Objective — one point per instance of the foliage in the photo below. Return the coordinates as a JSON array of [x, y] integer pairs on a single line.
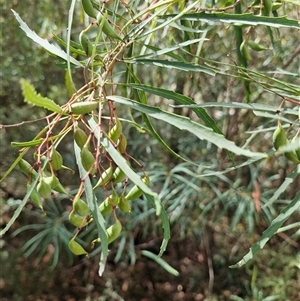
[[150, 69]]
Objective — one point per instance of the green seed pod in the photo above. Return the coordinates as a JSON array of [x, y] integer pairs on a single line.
[[80, 108], [122, 144], [105, 177], [36, 198], [86, 45], [52, 181], [88, 8], [116, 131], [56, 159], [276, 6], [244, 51], [268, 6], [81, 207], [47, 166], [107, 205], [59, 188], [80, 136], [135, 192], [123, 204], [87, 160], [292, 156], [76, 248], [112, 233], [107, 28], [279, 137], [78, 220], [26, 168], [44, 189], [118, 175], [255, 46]]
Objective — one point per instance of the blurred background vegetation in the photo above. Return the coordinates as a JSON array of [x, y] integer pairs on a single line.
[[214, 219]]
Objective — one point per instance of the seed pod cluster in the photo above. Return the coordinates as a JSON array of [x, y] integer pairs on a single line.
[[107, 178]]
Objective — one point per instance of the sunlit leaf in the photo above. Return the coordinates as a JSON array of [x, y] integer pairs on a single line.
[[44, 43], [32, 97]]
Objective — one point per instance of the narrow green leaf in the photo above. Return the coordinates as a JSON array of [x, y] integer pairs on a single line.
[[32, 97], [157, 51], [283, 187], [175, 65], [19, 209], [142, 99], [165, 224], [243, 19], [161, 262], [74, 47], [201, 113], [257, 108], [185, 123], [44, 43], [273, 228], [238, 105]]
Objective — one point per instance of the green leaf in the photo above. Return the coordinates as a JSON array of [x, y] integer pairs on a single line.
[[273, 228], [142, 99], [184, 123], [161, 262], [242, 19], [201, 113], [169, 50], [283, 187], [44, 43], [32, 97], [257, 108], [175, 65]]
